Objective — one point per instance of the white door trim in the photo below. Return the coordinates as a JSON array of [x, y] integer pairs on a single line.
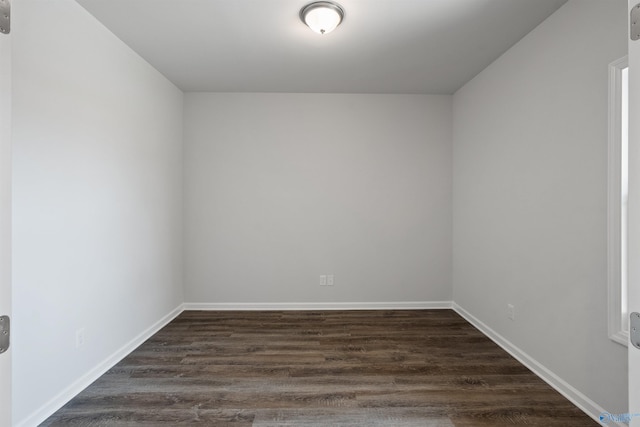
[[5, 219]]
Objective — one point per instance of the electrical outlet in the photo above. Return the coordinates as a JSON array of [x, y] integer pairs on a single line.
[[323, 280], [511, 312], [330, 280], [79, 337]]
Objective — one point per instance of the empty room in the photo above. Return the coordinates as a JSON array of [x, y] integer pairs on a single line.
[[297, 213]]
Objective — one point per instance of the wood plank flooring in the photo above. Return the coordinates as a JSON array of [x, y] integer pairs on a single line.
[[426, 368]]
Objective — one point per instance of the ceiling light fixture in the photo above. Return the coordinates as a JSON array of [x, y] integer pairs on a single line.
[[322, 16]]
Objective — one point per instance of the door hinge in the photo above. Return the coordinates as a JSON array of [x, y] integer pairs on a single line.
[[635, 22], [634, 329], [5, 333], [5, 16]]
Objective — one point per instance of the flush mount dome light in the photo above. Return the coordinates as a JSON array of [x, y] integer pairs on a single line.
[[322, 16]]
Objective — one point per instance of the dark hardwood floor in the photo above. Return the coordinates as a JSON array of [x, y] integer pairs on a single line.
[[331, 368]]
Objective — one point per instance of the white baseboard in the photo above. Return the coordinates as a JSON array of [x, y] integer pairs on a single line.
[[587, 405], [306, 306], [83, 382]]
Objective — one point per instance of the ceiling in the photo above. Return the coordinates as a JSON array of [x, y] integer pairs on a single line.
[[382, 46]]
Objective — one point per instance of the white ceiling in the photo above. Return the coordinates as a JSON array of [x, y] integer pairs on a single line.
[[382, 46]]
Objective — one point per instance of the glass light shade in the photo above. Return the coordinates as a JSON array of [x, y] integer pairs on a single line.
[[322, 17]]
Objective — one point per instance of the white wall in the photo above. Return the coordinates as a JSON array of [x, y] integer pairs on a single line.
[[97, 198], [530, 182], [281, 188]]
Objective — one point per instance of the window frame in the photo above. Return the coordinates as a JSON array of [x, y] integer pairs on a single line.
[[616, 325]]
